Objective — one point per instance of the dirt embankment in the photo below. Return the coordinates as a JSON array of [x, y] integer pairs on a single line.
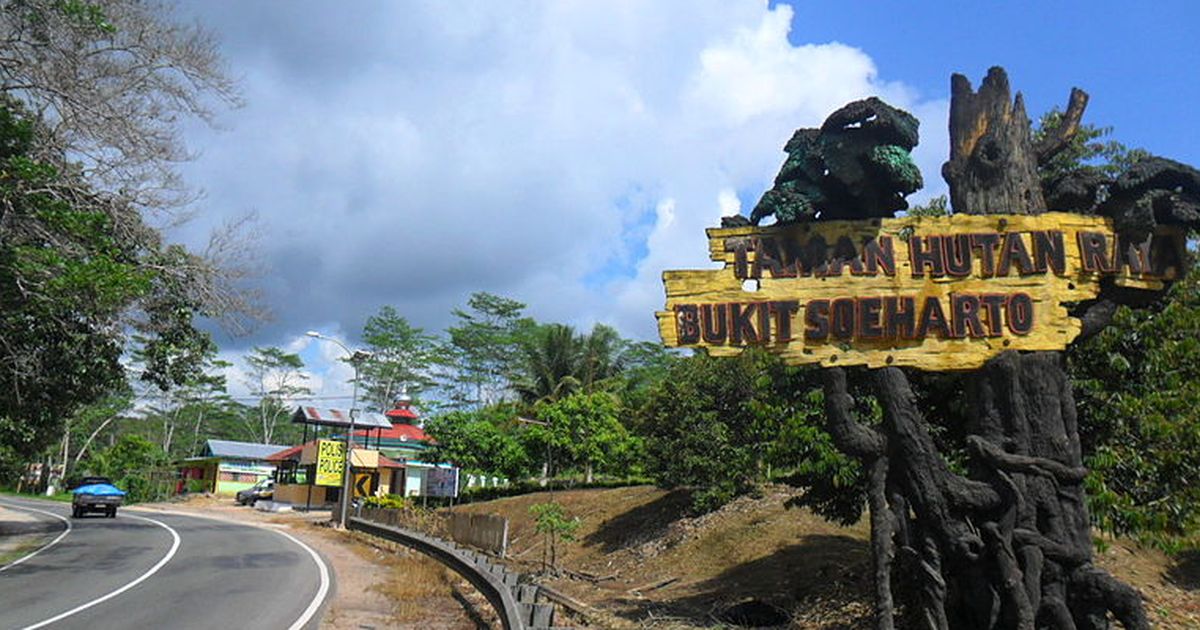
[[639, 558]]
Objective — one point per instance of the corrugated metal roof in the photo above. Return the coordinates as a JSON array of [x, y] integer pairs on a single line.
[[339, 418], [240, 450], [295, 451]]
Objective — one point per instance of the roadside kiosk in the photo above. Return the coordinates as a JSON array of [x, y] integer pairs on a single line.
[[310, 474]]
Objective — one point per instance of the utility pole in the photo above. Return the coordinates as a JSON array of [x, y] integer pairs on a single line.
[[356, 358]]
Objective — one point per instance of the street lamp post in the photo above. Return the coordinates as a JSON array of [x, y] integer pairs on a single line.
[[520, 420], [356, 359]]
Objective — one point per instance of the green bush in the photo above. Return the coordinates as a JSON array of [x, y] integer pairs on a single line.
[[388, 501]]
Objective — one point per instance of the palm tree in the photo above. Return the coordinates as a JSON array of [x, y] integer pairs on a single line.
[[549, 364], [556, 361], [602, 355]]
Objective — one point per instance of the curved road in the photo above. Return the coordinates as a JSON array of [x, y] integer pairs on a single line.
[[147, 569]]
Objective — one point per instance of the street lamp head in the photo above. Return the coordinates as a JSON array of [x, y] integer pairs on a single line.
[[314, 334]]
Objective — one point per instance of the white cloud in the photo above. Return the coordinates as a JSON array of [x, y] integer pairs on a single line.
[[757, 72], [728, 203], [563, 154]]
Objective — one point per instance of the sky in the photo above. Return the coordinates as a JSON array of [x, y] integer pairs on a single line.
[[565, 153]]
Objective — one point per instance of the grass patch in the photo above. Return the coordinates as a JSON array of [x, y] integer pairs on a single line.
[[62, 497], [419, 588], [21, 547]]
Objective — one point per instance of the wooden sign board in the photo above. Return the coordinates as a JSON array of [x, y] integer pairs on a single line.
[[935, 293]]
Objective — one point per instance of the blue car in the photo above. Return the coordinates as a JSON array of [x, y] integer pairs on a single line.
[[96, 494]]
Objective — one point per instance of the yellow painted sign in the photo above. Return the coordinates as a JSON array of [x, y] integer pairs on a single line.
[[936, 293], [362, 485], [331, 458]]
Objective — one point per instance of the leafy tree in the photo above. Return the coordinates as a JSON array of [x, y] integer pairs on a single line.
[[552, 522], [482, 441], [91, 96], [486, 344], [646, 364], [602, 355], [586, 431], [402, 357], [131, 463], [87, 424], [182, 401], [693, 426], [557, 361], [204, 397], [721, 425], [1137, 384], [68, 276], [936, 207], [802, 451], [1088, 149], [275, 377]]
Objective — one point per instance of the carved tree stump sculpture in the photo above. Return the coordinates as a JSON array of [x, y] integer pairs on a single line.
[[1009, 545]]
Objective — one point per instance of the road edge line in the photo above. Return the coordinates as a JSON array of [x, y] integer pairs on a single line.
[[322, 592], [145, 576], [43, 547], [323, 570]]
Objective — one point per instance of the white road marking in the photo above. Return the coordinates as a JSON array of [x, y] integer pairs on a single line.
[[44, 547], [322, 569], [319, 598], [145, 576]]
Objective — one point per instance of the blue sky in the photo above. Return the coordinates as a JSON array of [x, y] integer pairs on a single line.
[[1137, 61], [565, 153]]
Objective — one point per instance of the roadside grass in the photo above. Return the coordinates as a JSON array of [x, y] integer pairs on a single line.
[[413, 581], [21, 546], [417, 586], [64, 497]]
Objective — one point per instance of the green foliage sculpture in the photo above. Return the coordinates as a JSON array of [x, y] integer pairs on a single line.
[[857, 164]]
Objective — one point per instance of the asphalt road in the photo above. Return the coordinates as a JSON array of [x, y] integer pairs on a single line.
[[147, 569]]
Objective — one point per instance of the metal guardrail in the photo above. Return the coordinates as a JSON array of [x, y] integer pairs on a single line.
[[493, 581]]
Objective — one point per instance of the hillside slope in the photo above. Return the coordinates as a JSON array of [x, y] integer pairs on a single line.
[[639, 557]]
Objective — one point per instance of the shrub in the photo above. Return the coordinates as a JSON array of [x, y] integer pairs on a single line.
[[388, 501]]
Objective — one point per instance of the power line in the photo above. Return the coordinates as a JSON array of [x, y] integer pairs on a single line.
[[218, 398]]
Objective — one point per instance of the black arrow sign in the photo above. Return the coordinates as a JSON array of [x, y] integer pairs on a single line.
[[362, 485]]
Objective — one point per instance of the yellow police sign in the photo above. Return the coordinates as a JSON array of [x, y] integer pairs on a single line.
[[331, 459]]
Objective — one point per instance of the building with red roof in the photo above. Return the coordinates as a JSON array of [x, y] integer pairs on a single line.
[[389, 457]]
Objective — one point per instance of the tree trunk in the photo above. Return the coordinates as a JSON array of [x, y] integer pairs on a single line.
[[83, 449], [66, 449], [993, 165], [1035, 566], [196, 429]]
